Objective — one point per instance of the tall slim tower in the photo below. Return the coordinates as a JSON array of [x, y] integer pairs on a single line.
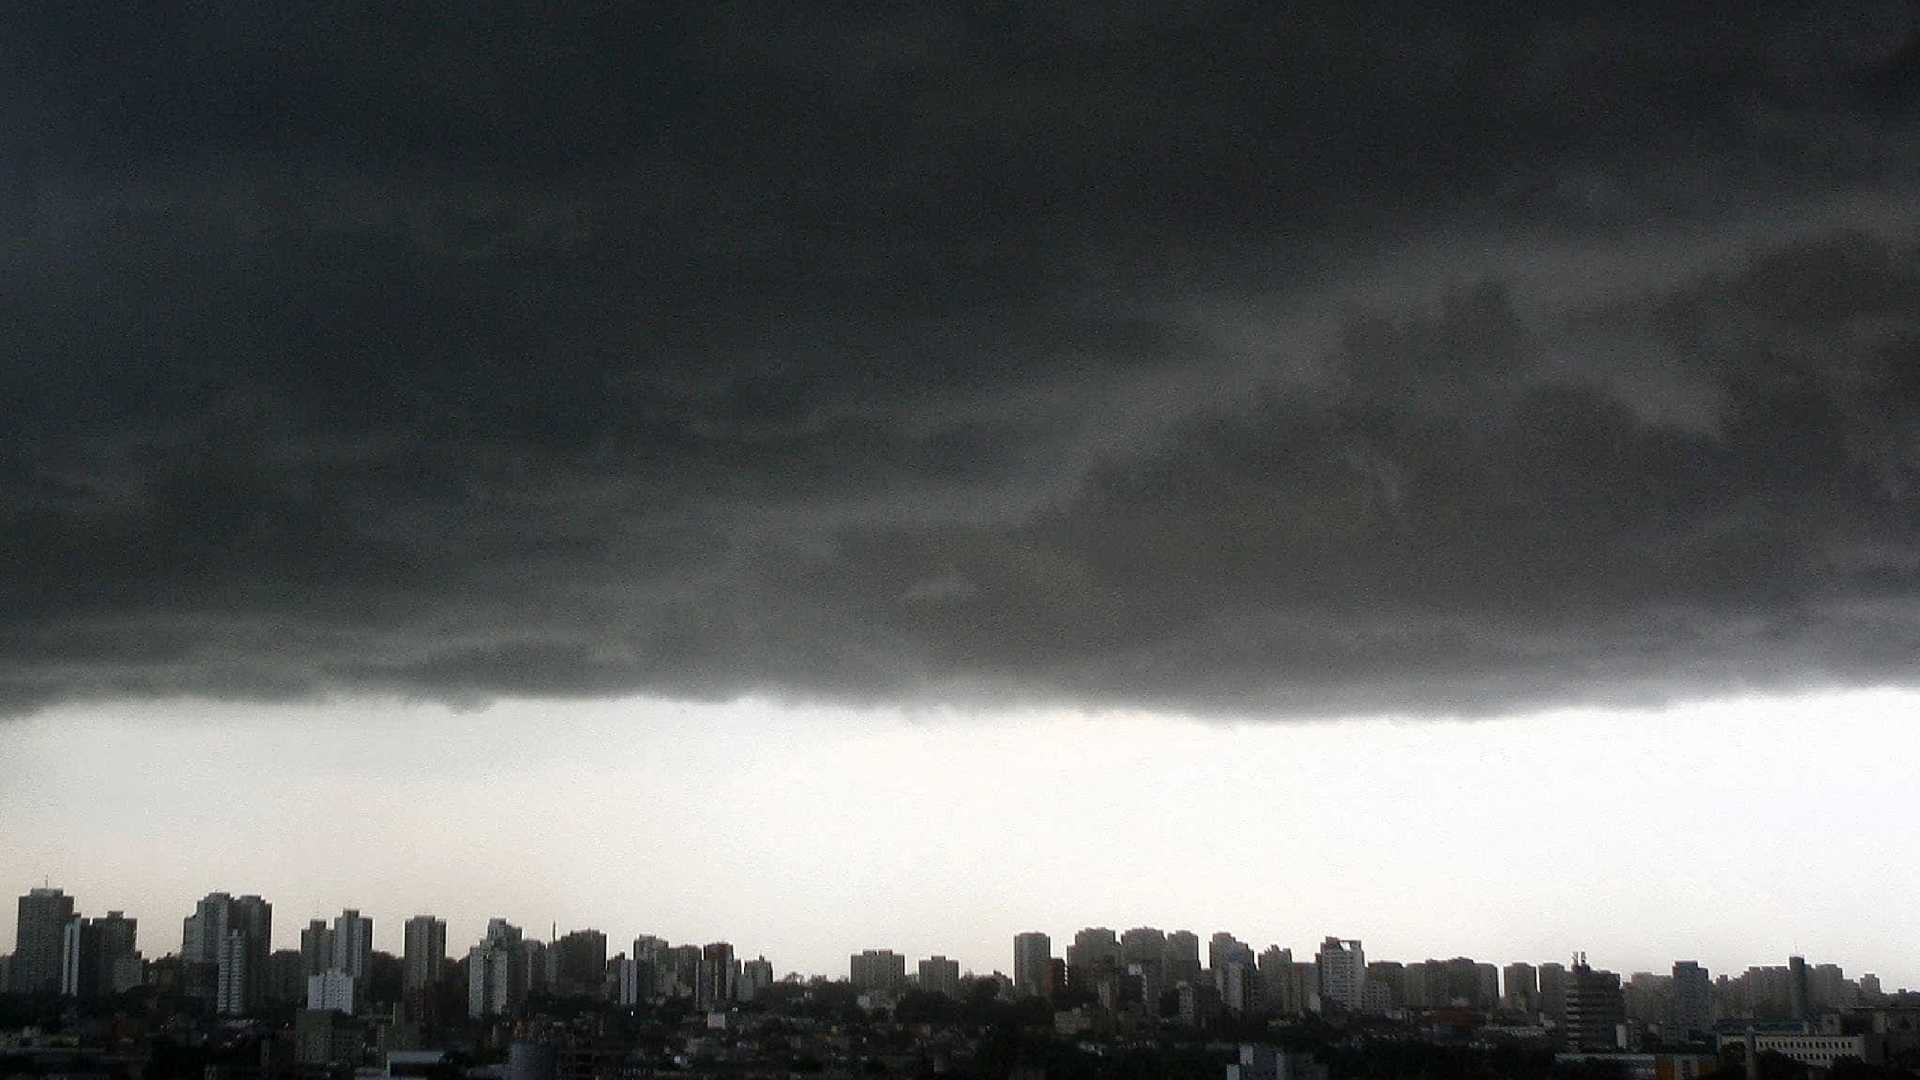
[[316, 948], [425, 953], [241, 957], [496, 983], [353, 944]]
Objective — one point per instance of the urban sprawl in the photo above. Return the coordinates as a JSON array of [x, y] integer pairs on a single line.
[[82, 1003]]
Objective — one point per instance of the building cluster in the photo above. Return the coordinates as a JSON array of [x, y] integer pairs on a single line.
[[1149, 968], [343, 995], [506, 968]]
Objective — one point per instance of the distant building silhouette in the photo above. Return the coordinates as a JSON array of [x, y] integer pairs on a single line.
[[1183, 957], [939, 975], [1553, 992], [879, 969], [1143, 956], [1797, 1004], [756, 978], [423, 954], [98, 957], [1692, 1002], [1031, 953], [1223, 952], [352, 944], [316, 947], [1279, 992], [224, 948], [577, 964], [1595, 1008], [286, 977], [717, 983], [1521, 990], [496, 976], [1094, 954]]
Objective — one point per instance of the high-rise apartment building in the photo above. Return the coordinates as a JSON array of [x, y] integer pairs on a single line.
[[423, 955], [1143, 944], [636, 981], [1553, 992], [1223, 949], [38, 940], [1095, 953], [1692, 1001], [95, 954], [684, 961], [651, 976], [496, 981], [316, 947], [756, 978], [1182, 957], [577, 964], [286, 977], [1486, 987], [1238, 984], [1387, 982], [939, 975], [718, 980], [1413, 987], [331, 990], [79, 959], [1828, 989], [1798, 992], [1343, 972], [236, 975], [1276, 980], [880, 970], [535, 967], [224, 948], [1032, 951], [353, 944], [1522, 987], [1595, 1008]]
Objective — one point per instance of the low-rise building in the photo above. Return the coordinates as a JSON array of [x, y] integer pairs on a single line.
[[1272, 1063], [1815, 1049]]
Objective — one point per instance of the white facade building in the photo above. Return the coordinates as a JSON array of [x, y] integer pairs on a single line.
[[496, 972], [353, 943], [330, 990], [1818, 1051], [1343, 972]]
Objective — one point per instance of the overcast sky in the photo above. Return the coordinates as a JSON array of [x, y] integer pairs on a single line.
[[1116, 385]]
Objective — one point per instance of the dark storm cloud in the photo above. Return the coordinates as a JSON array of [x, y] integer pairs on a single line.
[[474, 350]]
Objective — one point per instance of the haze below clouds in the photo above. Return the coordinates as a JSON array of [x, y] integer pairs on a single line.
[[1734, 834]]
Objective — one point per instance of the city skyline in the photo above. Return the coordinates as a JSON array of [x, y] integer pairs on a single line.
[[811, 479], [1709, 899], [579, 963]]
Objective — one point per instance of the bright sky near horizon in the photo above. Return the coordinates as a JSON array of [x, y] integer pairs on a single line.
[[1734, 832]]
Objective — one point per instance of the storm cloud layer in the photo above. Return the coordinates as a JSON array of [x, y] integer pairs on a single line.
[[1293, 359]]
